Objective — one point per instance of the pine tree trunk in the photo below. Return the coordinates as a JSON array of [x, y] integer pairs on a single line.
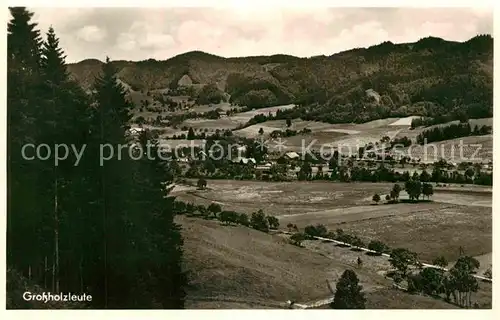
[[103, 208], [81, 274], [53, 274], [56, 232], [45, 273]]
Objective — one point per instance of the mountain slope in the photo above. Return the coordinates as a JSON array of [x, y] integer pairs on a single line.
[[430, 77]]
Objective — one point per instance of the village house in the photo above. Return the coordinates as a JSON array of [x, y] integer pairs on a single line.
[[243, 160], [292, 155], [135, 130]]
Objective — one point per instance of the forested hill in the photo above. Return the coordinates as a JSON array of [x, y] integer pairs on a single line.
[[429, 77]]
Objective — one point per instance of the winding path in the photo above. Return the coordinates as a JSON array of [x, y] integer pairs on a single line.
[[322, 302]]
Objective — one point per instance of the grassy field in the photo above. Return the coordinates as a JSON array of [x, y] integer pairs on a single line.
[[431, 229], [347, 138], [237, 267], [233, 121], [269, 126], [475, 149]]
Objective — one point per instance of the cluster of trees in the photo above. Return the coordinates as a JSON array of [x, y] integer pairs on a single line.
[[256, 92], [210, 94], [319, 230], [458, 282], [288, 133], [452, 131], [414, 188], [168, 103], [257, 220], [224, 169], [404, 141], [382, 173], [427, 121], [192, 135], [104, 229], [281, 114]]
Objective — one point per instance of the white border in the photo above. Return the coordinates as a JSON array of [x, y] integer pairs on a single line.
[[231, 314]]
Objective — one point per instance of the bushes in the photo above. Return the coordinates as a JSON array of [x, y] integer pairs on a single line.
[[316, 231], [210, 94], [244, 220], [259, 222], [378, 246], [297, 238], [357, 242], [273, 222], [229, 217]]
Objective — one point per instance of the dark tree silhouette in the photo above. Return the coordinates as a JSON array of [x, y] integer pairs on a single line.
[[349, 293]]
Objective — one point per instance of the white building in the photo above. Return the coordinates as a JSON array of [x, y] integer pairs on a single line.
[[292, 155], [243, 160], [136, 130]]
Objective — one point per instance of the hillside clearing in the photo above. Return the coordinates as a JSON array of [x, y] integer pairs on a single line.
[[234, 263], [430, 228]]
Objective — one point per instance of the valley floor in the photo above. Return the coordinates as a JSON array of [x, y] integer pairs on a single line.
[[238, 267]]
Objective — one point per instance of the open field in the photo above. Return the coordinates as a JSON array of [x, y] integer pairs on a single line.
[[269, 126], [231, 263], [430, 228], [230, 122], [237, 267], [269, 110], [475, 149], [221, 124], [282, 198], [404, 121], [412, 134], [233, 121]]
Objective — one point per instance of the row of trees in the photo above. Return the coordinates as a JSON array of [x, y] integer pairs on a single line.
[[192, 135], [287, 133], [106, 230], [257, 220], [224, 169], [458, 282], [452, 131], [384, 174]]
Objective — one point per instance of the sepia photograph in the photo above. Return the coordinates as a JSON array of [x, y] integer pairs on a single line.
[[249, 157]]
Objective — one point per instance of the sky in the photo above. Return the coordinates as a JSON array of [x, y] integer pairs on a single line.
[[161, 33]]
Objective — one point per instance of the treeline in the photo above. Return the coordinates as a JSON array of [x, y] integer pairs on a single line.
[[287, 133], [192, 135], [104, 229], [257, 220], [452, 131], [384, 174], [225, 169], [281, 114]]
